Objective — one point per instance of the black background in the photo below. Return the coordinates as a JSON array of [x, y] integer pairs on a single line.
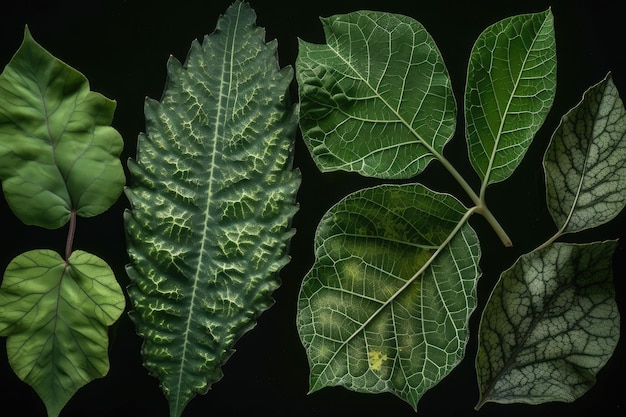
[[122, 47]]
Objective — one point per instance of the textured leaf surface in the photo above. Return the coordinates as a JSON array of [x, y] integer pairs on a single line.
[[58, 153], [585, 164], [55, 315], [511, 82], [385, 308], [376, 99], [550, 324], [212, 198]]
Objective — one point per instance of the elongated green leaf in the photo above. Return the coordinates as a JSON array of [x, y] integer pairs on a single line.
[[212, 198], [377, 98], [550, 324], [55, 314], [385, 308], [511, 82], [58, 153], [585, 164]]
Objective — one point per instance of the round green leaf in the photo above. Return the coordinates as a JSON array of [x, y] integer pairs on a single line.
[[511, 82], [57, 151], [386, 306], [377, 98]]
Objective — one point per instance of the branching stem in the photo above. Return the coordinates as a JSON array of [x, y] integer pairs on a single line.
[[481, 205]]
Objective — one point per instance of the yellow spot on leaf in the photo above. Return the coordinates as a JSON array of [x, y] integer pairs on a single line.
[[376, 359]]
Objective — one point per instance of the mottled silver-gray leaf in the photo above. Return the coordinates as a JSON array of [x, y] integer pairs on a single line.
[[511, 82], [549, 326], [585, 164], [377, 98]]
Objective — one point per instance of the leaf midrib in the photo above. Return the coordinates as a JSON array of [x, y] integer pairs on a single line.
[[227, 66], [521, 345], [496, 149], [583, 172], [391, 108], [400, 290]]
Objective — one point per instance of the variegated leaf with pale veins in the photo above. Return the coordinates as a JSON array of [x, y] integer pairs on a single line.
[[212, 197], [385, 307]]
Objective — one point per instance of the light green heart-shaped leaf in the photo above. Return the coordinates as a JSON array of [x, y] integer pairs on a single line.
[[377, 98], [55, 314], [511, 82], [58, 153], [213, 194], [385, 307], [585, 164], [549, 326]]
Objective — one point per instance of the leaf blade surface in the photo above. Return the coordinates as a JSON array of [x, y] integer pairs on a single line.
[[549, 326], [386, 305], [511, 82], [585, 163], [55, 315], [377, 98], [58, 152], [212, 202]]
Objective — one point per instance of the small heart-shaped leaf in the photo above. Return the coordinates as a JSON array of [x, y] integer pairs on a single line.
[[55, 314]]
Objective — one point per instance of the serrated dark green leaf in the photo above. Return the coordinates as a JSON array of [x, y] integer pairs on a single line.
[[386, 306], [511, 82], [58, 152], [585, 164], [377, 98], [549, 326], [212, 197], [55, 314]]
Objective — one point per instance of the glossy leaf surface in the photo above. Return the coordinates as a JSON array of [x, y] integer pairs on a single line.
[[385, 307], [550, 324], [511, 82], [58, 152], [585, 164], [55, 315], [212, 196], [377, 98]]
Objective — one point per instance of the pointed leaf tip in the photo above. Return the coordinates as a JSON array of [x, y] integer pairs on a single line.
[[511, 84]]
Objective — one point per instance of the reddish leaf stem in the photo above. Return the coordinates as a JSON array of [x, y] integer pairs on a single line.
[[70, 236]]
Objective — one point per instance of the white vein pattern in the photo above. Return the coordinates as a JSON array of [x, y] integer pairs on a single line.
[[212, 201], [380, 86], [585, 163], [386, 306], [510, 89]]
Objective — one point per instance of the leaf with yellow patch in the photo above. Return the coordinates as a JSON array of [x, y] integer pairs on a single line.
[[385, 308]]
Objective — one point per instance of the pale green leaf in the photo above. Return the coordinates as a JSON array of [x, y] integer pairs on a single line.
[[549, 326], [213, 194], [55, 315], [377, 98], [58, 153], [585, 164], [511, 82], [385, 307]]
